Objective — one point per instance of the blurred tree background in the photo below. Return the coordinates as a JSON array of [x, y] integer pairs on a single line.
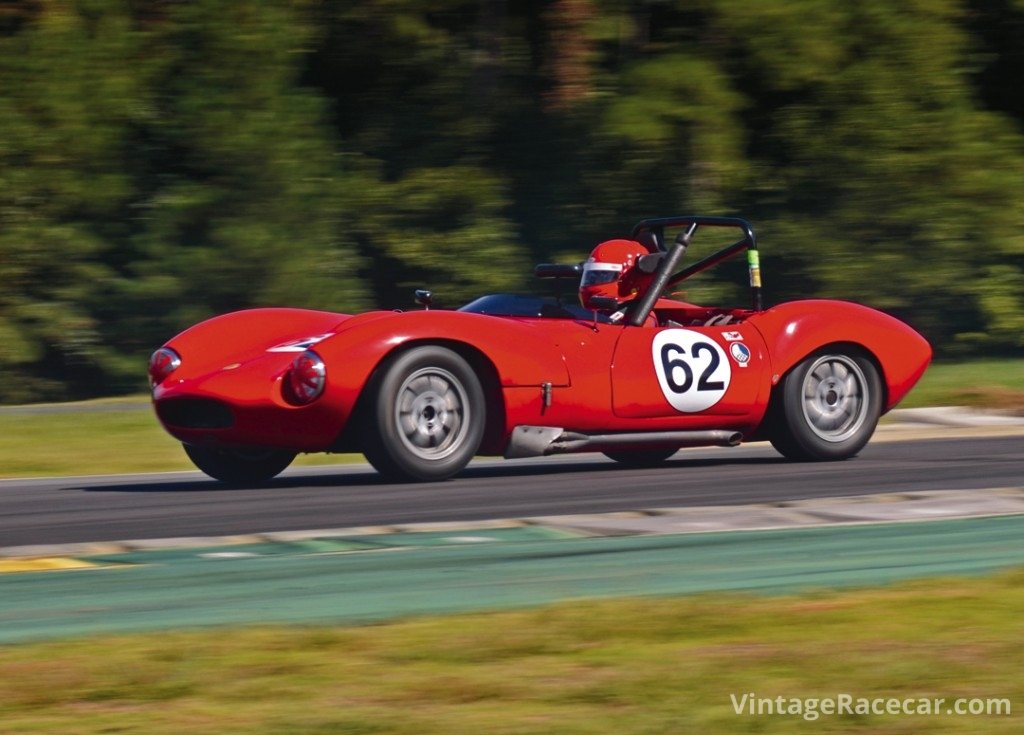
[[162, 160]]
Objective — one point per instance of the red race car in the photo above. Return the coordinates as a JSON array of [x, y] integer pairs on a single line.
[[626, 372]]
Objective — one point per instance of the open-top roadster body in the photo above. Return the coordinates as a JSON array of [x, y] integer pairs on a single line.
[[420, 393]]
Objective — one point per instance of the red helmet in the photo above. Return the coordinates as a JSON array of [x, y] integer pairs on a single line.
[[611, 271]]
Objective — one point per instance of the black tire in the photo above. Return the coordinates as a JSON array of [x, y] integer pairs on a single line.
[[827, 407], [240, 466], [425, 415], [641, 457]]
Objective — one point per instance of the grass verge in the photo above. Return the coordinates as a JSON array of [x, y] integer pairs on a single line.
[[98, 442], [997, 384], [665, 665], [129, 439]]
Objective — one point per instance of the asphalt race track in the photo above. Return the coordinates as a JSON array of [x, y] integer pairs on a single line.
[[50, 511]]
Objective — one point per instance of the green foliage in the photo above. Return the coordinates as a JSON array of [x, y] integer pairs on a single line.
[[885, 166], [439, 226], [154, 172], [161, 162]]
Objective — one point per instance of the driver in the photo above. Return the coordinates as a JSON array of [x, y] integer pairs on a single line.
[[612, 271]]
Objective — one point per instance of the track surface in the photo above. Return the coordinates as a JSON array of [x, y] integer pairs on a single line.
[[49, 511]]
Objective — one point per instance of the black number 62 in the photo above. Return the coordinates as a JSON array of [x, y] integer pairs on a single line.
[[669, 363]]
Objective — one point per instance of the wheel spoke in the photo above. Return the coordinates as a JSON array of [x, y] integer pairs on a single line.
[[817, 413], [407, 423], [420, 385], [834, 421]]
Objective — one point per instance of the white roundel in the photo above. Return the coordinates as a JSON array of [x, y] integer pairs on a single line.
[[693, 371]]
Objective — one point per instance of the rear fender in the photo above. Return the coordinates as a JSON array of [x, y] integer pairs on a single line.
[[797, 329]]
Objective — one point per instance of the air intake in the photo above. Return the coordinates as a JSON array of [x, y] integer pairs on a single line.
[[195, 413]]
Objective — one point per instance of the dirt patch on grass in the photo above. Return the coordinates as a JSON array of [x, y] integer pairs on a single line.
[[1005, 400]]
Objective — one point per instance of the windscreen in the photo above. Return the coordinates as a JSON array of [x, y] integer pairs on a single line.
[[530, 306]]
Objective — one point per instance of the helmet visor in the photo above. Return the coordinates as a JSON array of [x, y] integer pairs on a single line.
[[597, 274]]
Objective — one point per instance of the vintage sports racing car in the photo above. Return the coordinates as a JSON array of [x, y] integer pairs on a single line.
[[629, 372]]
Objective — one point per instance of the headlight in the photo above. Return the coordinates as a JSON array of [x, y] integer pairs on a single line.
[[306, 379], [162, 363]]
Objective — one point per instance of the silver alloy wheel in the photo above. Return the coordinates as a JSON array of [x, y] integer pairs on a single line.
[[835, 401], [432, 413]]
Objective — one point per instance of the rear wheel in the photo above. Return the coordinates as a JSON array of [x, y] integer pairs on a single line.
[[641, 457], [425, 416], [239, 466], [827, 407]]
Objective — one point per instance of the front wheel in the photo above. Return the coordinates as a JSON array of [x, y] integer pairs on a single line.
[[827, 407], [425, 417], [239, 466]]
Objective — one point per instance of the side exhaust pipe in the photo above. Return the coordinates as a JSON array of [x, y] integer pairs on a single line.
[[537, 441]]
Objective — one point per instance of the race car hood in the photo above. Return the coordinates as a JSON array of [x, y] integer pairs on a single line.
[[242, 336]]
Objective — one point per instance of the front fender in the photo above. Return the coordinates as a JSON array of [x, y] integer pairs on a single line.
[[796, 329], [521, 353], [229, 359]]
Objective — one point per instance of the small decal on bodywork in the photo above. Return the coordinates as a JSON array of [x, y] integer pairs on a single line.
[[740, 353], [300, 345]]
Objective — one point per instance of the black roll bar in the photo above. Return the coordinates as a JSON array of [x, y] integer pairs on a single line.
[[638, 313], [664, 277]]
